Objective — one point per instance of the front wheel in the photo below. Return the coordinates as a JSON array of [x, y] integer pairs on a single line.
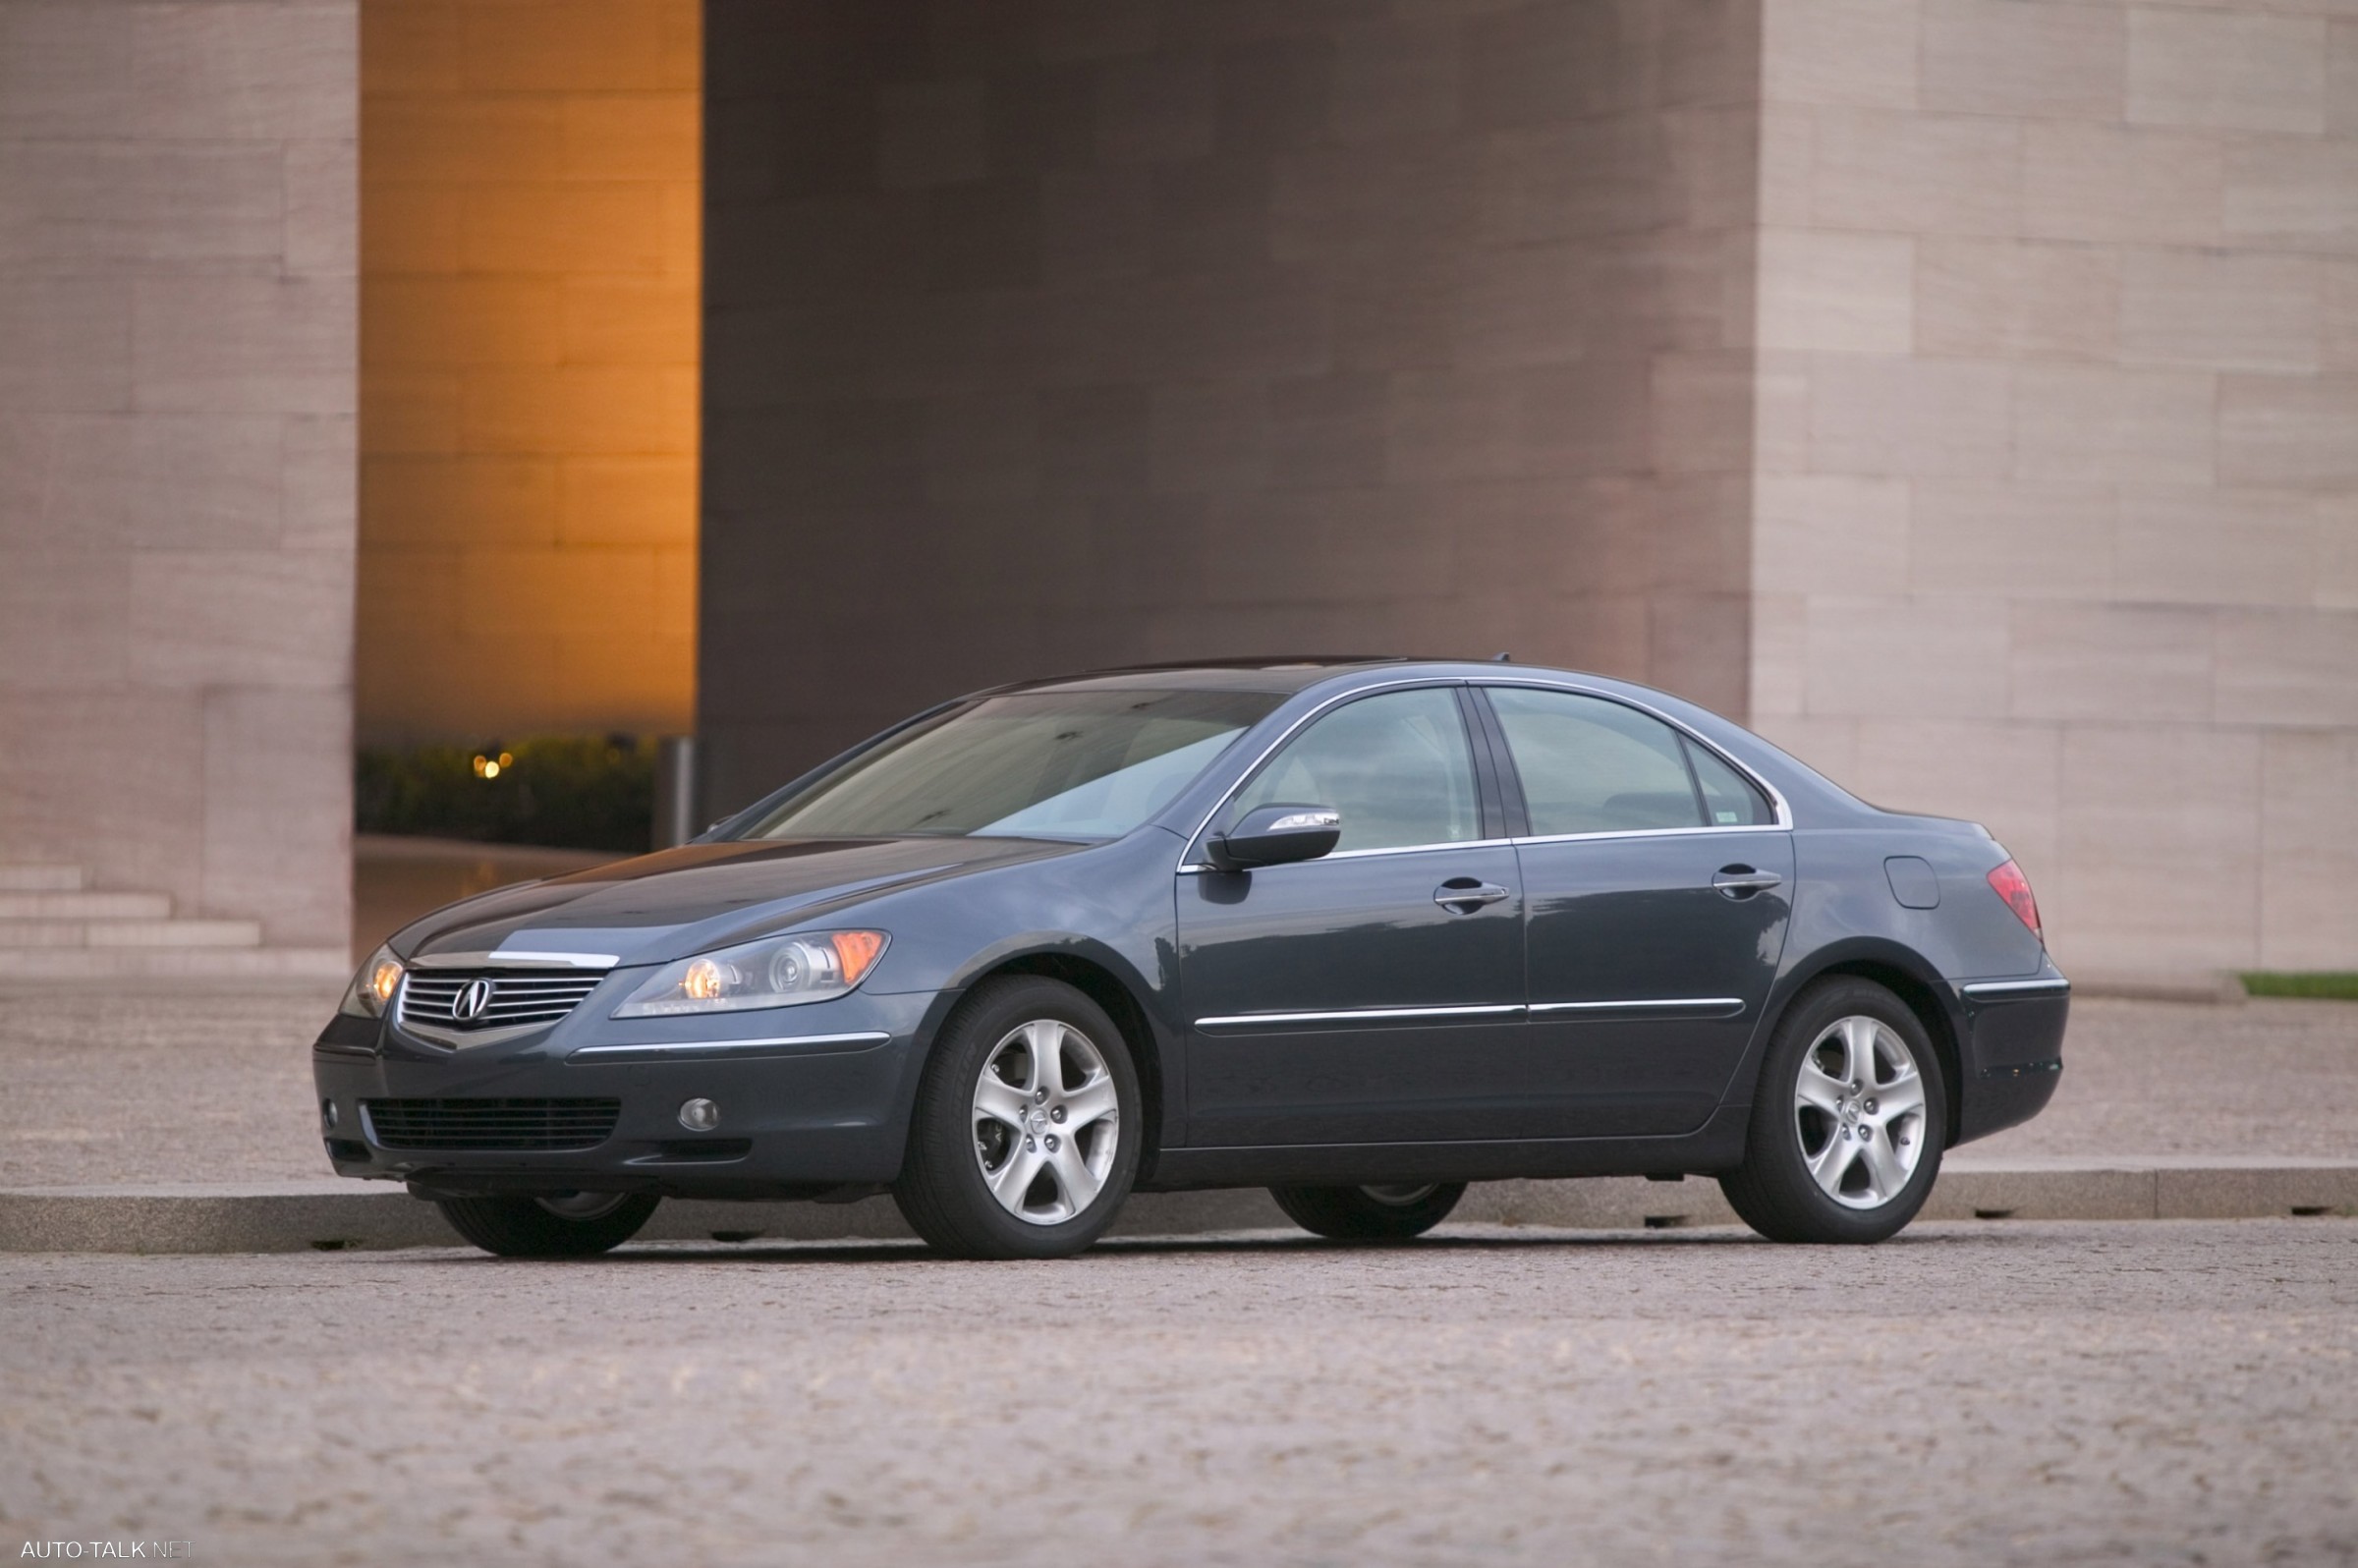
[[1847, 1122], [549, 1225], [1026, 1129], [1380, 1213]]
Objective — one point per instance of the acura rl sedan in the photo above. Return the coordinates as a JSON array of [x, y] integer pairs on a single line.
[[1361, 932]]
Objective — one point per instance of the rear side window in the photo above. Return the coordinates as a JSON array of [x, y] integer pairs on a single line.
[[1592, 767], [1396, 765], [1729, 799]]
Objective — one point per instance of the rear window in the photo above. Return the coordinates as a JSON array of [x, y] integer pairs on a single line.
[[1729, 799]]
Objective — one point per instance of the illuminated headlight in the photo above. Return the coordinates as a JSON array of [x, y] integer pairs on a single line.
[[372, 989], [779, 972]]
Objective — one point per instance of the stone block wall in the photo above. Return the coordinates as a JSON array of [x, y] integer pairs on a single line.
[[177, 389], [1051, 337], [2057, 489], [530, 175]]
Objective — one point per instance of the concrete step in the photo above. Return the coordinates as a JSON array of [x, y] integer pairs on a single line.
[[331, 1214], [170, 963], [130, 934], [42, 878], [80, 906]]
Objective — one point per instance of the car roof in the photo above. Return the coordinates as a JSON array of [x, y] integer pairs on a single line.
[[1277, 673]]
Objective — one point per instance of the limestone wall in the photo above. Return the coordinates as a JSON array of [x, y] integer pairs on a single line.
[[175, 449], [2057, 505]]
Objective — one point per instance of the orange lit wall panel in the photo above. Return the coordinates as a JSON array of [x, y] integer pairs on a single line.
[[529, 192]]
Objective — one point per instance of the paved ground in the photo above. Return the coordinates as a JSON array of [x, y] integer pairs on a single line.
[[216, 1086], [2153, 1393]]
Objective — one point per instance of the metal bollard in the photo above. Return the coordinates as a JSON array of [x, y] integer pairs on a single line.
[[675, 790]]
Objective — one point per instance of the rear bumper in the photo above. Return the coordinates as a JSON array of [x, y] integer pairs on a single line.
[[803, 1109], [2014, 1056]]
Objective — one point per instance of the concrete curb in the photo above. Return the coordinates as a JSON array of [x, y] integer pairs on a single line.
[[334, 1215]]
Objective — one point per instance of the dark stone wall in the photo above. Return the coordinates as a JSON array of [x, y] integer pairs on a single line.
[[1044, 336]]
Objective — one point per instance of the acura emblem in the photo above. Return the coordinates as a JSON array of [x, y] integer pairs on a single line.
[[469, 1004]]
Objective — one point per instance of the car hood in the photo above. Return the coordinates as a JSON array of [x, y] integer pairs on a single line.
[[700, 896]]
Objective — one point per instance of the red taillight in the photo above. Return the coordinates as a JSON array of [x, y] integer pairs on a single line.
[[2015, 888]]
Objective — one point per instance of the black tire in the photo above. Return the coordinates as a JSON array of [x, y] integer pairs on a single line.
[[1395, 1213], [943, 1192], [524, 1227], [1774, 1190]]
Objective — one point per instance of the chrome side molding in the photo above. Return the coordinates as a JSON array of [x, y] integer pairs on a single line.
[[1678, 1006], [689, 1050], [1360, 1015], [1999, 990], [1652, 1007]]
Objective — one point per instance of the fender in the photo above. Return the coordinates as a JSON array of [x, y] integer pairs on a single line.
[[1153, 1003], [1947, 1026]]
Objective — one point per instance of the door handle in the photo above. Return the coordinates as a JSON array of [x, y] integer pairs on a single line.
[[1463, 895], [1742, 881]]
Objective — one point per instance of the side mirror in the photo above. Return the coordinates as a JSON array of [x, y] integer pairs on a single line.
[[1278, 835]]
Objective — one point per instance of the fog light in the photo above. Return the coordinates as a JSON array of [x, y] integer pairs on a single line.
[[699, 1115], [327, 1115]]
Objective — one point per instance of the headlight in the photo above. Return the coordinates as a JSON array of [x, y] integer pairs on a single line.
[[779, 972], [372, 989]]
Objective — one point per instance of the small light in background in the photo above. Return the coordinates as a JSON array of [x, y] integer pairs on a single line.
[[490, 766]]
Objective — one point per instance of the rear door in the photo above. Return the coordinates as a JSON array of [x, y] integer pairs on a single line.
[[1657, 887], [1373, 995]]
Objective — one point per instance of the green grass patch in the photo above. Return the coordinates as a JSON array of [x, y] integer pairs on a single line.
[[2335, 986], [592, 792]]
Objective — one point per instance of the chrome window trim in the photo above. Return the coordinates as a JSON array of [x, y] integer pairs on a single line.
[[514, 959], [1777, 798], [1367, 853], [659, 1051], [2054, 986], [1650, 832]]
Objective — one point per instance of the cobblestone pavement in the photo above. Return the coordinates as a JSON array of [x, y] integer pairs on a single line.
[[2154, 1393], [216, 1086]]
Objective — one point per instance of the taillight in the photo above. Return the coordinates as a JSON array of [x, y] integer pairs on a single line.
[[2015, 888]]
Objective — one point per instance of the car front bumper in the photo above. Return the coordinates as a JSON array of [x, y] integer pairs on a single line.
[[809, 1099]]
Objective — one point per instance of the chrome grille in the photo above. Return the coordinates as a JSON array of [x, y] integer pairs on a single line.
[[519, 997], [491, 1124]]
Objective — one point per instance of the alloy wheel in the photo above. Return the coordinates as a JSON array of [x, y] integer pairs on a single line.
[[1859, 1103], [1046, 1121]]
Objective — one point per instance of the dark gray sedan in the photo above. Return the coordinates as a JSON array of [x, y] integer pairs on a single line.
[[1361, 932]]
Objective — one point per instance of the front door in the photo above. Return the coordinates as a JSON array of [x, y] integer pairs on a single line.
[[1374, 995], [1658, 887]]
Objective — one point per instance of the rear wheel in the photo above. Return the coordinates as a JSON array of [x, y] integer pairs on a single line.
[[1847, 1120], [1026, 1127], [1386, 1213], [549, 1224]]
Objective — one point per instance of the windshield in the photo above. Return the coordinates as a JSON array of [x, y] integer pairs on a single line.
[[1037, 765]]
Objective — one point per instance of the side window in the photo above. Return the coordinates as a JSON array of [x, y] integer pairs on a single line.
[[1397, 766], [1592, 767], [1729, 799]]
